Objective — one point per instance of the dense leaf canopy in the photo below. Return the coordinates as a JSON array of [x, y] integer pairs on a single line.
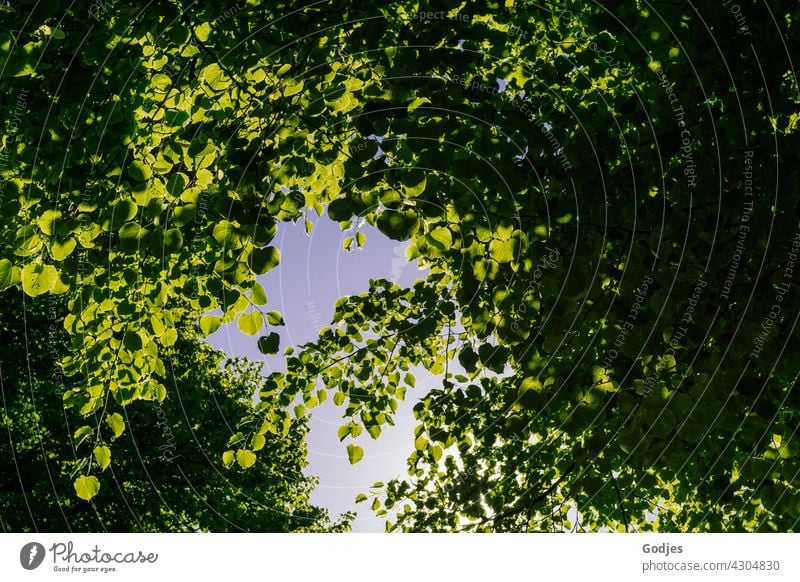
[[605, 197], [165, 472]]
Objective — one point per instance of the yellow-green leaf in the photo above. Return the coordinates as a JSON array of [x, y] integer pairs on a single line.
[[419, 101], [209, 324], [441, 238], [293, 88], [250, 323], [116, 423], [258, 295], [38, 279], [86, 487], [203, 31], [139, 171], [102, 455], [169, 337], [6, 274], [228, 458], [354, 453], [246, 459], [258, 442]]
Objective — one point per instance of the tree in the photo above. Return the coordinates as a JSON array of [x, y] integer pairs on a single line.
[[612, 252], [588, 271], [168, 473]]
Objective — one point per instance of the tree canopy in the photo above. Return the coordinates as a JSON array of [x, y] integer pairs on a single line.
[[605, 198], [167, 473]]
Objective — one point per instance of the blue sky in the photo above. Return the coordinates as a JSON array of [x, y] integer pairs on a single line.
[[314, 272]]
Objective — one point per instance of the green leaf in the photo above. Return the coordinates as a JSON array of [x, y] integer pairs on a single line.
[[264, 231], [47, 219], [61, 249], [293, 88], [530, 383], [121, 212], [202, 31], [275, 318], [397, 225], [169, 337], [203, 178], [214, 77], [354, 453], [417, 103], [414, 183], [343, 432], [183, 215], [246, 459], [258, 442], [173, 241], [209, 324], [139, 171], [503, 251], [6, 274], [468, 359], [116, 423], [340, 209], [228, 457], [160, 82], [494, 357], [436, 451], [269, 344], [86, 487], [258, 295], [38, 279], [82, 434], [485, 269], [132, 236], [102, 455], [132, 341], [441, 238], [250, 323], [177, 183], [157, 324], [201, 154], [226, 234], [530, 397], [263, 260]]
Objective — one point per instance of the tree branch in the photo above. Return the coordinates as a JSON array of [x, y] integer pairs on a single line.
[[621, 504]]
